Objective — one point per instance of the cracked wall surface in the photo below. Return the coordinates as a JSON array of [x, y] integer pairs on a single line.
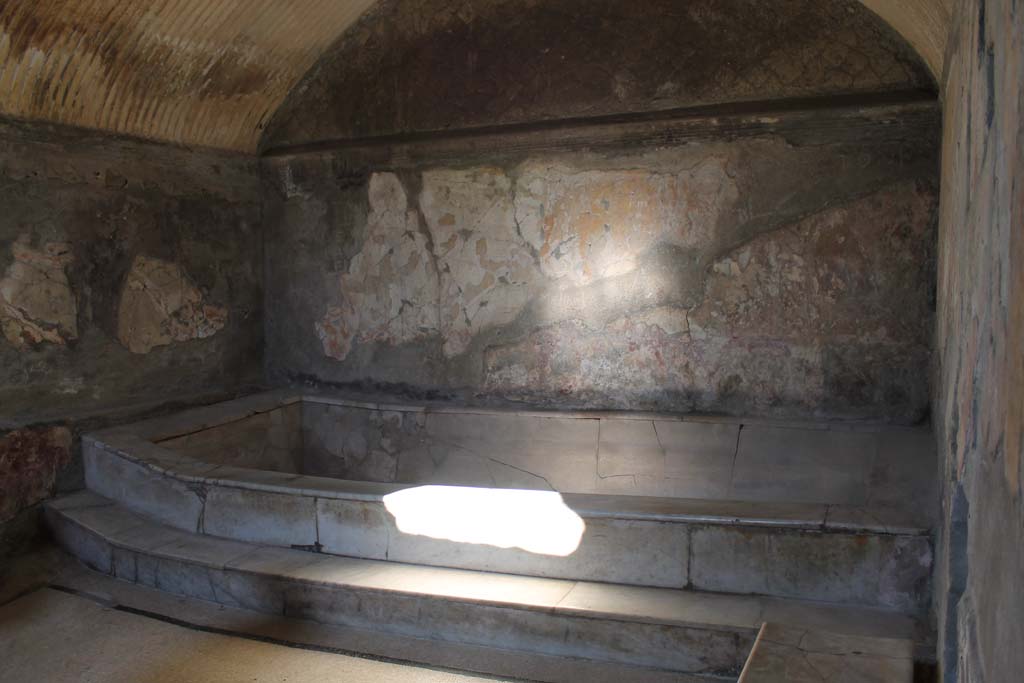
[[130, 278], [125, 267], [436, 65], [766, 275], [979, 407], [389, 292]]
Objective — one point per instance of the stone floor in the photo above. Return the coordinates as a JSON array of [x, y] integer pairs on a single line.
[[53, 636]]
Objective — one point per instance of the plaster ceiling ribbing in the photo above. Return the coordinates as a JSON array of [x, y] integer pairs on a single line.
[[212, 72], [198, 72], [922, 23]]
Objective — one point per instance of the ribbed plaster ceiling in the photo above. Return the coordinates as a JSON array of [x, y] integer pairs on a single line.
[[922, 23], [212, 72], [197, 72]]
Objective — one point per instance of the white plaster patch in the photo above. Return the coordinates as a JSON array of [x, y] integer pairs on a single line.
[[36, 301], [390, 292], [160, 305], [589, 225], [488, 274]]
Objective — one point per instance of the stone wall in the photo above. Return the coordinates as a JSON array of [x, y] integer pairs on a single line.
[[980, 400], [416, 65], [130, 278], [759, 264]]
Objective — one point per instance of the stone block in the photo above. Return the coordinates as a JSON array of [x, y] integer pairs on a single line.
[[512, 451], [629, 448], [616, 551], [905, 472], [803, 465], [672, 647], [80, 541], [142, 489], [786, 654], [266, 441], [260, 516], [224, 587], [679, 607], [667, 458], [354, 528], [864, 569]]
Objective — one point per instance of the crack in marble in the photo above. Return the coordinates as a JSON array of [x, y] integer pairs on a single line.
[[524, 471], [735, 458]]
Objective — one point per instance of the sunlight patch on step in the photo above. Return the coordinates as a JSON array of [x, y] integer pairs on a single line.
[[538, 522]]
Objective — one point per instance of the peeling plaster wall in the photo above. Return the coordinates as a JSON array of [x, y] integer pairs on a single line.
[[784, 272], [415, 65], [980, 402], [482, 231], [130, 277]]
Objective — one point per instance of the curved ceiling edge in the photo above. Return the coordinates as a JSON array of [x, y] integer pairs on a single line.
[[212, 73]]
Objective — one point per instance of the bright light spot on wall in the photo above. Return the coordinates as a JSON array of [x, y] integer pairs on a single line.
[[535, 521]]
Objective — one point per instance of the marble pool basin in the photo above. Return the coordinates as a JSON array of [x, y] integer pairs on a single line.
[[817, 511]]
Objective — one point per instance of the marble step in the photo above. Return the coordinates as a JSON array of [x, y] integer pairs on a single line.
[[872, 556], [788, 654], [676, 630]]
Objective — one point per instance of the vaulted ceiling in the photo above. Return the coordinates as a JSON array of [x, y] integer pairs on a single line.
[[199, 72], [922, 23], [212, 73]]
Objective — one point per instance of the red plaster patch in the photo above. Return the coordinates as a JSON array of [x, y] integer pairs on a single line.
[[29, 462]]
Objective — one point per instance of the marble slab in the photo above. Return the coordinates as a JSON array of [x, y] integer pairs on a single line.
[[260, 517], [881, 570], [630, 454], [803, 466], [788, 654], [266, 441], [622, 454]]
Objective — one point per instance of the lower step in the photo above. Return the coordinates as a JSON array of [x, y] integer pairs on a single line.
[[661, 628], [784, 654]]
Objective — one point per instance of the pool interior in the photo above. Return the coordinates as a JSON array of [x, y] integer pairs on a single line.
[[633, 455]]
